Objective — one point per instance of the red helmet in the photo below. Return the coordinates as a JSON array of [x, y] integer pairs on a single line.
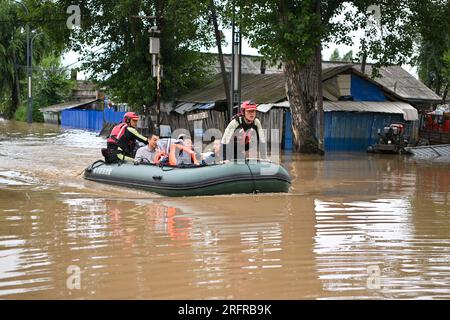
[[130, 116], [248, 105]]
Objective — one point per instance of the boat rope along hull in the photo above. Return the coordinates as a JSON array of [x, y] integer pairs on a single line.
[[233, 177]]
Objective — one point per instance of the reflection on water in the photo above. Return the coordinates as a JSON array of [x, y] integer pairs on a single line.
[[352, 226]]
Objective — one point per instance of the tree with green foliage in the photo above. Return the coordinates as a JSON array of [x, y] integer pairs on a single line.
[[13, 18], [51, 85], [335, 56], [119, 33], [348, 57], [293, 32], [12, 55], [433, 42]]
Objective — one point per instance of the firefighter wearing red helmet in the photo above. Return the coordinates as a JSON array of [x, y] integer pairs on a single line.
[[121, 142], [243, 128]]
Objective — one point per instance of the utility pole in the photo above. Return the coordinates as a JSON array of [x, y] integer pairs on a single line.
[[159, 26], [236, 64], [30, 80], [319, 109], [219, 49], [155, 51], [29, 75]]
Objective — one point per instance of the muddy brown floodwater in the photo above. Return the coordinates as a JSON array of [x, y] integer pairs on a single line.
[[352, 226]]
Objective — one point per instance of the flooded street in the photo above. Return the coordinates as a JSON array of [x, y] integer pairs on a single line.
[[353, 226]]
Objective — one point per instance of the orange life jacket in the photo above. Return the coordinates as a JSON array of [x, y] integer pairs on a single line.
[[177, 148], [117, 132]]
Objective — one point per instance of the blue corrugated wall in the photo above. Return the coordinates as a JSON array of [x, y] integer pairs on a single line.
[[288, 131], [352, 131], [112, 116], [362, 90], [91, 120]]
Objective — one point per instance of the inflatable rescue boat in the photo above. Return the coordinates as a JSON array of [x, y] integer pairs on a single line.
[[234, 177]]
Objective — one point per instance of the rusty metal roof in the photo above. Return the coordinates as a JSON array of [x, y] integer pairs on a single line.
[[261, 88], [270, 88], [394, 78]]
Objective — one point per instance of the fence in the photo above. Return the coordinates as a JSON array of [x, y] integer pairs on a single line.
[[92, 120]]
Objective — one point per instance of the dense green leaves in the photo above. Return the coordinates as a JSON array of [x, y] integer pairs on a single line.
[[335, 56], [121, 43], [13, 19], [290, 30], [433, 40], [51, 85]]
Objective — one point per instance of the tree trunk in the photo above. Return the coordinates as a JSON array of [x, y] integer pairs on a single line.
[[445, 93], [301, 86], [219, 49], [15, 89]]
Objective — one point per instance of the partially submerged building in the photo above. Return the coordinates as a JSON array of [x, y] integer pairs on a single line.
[[84, 97], [356, 106]]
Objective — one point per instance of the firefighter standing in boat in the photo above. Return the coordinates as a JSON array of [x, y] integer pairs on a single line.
[[241, 130], [121, 143]]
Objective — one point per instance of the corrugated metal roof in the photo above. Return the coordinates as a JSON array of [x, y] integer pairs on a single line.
[[282, 104], [265, 107], [409, 112], [270, 88], [249, 64], [206, 106], [67, 105], [182, 108], [261, 88], [396, 79]]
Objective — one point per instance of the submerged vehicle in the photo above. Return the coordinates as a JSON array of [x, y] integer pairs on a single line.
[[237, 176], [392, 140]]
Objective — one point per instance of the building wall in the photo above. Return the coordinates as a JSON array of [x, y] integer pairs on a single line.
[[362, 90], [270, 120], [355, 131], [51, 117], [91, 120]]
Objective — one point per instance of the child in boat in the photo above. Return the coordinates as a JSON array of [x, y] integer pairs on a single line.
[[182, 154]]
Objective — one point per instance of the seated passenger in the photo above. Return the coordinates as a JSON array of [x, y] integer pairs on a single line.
[[165, 143], [182, 153], [147, 154], [214, 156]]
